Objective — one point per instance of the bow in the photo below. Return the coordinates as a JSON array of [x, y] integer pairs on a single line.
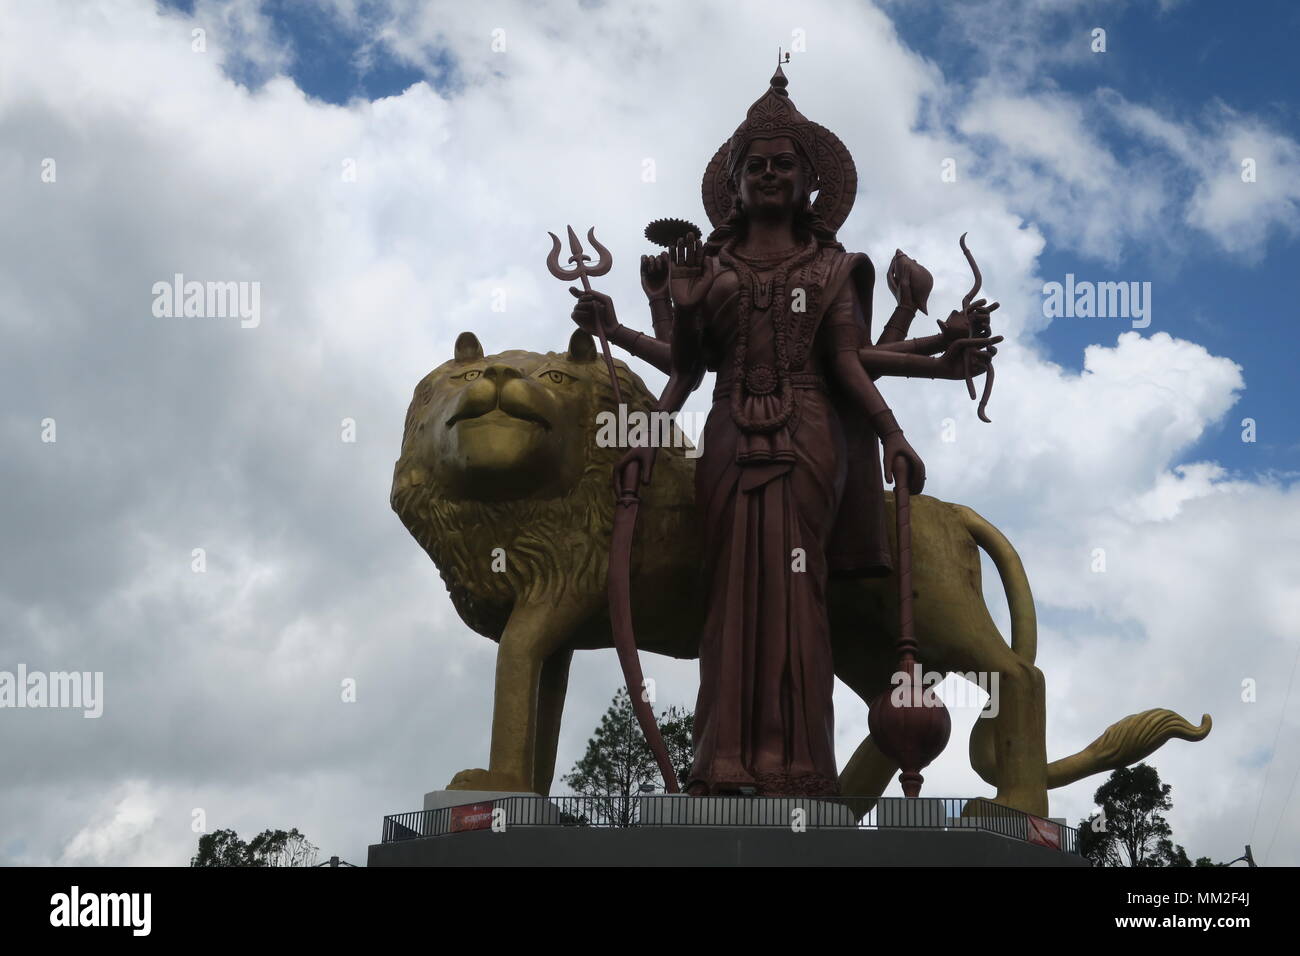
[[979, 330]]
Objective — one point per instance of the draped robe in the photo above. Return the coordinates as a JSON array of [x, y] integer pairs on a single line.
[[781, 511]]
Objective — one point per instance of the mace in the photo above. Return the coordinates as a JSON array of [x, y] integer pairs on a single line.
[[909, 726]]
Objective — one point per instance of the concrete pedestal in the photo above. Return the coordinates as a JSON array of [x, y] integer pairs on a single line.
[[485, 828], [716, 846]]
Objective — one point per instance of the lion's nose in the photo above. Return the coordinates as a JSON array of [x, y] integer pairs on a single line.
[[501, 373]]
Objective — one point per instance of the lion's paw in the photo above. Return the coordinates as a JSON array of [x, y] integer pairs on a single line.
[[480, 779]]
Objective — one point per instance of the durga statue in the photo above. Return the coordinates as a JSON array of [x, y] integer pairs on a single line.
[[799, 442]]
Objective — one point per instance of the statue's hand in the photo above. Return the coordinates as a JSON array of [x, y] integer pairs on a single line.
[[980, 352], [686, 272], [654, 275], [594, 307], [643, 458], [895, 445], [957, 327], [910, 282], [974, 321], [980, 314]]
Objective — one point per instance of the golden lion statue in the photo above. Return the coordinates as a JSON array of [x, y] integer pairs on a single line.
[[503, 482]]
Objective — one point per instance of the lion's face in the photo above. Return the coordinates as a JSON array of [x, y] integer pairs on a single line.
[[501, 427]]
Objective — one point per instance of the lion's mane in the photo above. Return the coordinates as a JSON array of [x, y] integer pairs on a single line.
[[553, 546]]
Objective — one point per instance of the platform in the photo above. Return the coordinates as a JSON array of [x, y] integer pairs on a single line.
[[661, 830]]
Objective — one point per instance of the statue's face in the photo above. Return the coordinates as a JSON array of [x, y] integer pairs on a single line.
[[771, 177]]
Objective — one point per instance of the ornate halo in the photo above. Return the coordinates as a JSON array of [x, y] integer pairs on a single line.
[[837, 175]]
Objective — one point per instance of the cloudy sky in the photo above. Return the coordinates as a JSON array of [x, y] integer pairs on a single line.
[[127, 156]]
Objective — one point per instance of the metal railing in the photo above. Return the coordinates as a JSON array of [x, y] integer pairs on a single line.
[[660, 810]]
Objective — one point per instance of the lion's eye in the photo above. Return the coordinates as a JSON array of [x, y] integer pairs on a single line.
[[471, 375], [556, 376]]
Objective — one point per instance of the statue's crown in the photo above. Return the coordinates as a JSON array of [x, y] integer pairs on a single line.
[[834, 177], [773, 115]]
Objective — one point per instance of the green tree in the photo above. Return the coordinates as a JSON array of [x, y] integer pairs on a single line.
[[221, 848], [278, 848], [268, 848], [1131, 829], [618, 762]]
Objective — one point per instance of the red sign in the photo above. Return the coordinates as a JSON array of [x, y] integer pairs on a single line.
[[471, 816], [1044, 833]]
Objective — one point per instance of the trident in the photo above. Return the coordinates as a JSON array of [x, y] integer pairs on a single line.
[[618, 578], [581, 270]]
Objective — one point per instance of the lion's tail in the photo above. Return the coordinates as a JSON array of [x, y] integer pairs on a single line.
[[1020, 600], [1125, 742]]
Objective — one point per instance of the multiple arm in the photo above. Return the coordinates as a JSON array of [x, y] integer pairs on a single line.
[[654, 351], [596, 307], [960, 355], [893, 338], [876, 362], [843, 328], [921, 345], [675, 348], [894, 354], [911, 284], [661, 317], [685, 368], [867, 397]]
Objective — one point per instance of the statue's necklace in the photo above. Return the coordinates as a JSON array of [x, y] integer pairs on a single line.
[[770, 297]]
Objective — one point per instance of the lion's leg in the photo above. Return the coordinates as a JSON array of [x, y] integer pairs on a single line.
[[1009, 750], [984, 751], [532, 635], [550, 708]]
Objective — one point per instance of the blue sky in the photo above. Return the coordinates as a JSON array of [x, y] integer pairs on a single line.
[[331, 61], [1181, 61]]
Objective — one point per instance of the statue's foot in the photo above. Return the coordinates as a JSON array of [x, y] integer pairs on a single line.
[[480, 779]]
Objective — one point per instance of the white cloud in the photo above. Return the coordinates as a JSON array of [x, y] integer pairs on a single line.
[[1246, 174], [115, 838]]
